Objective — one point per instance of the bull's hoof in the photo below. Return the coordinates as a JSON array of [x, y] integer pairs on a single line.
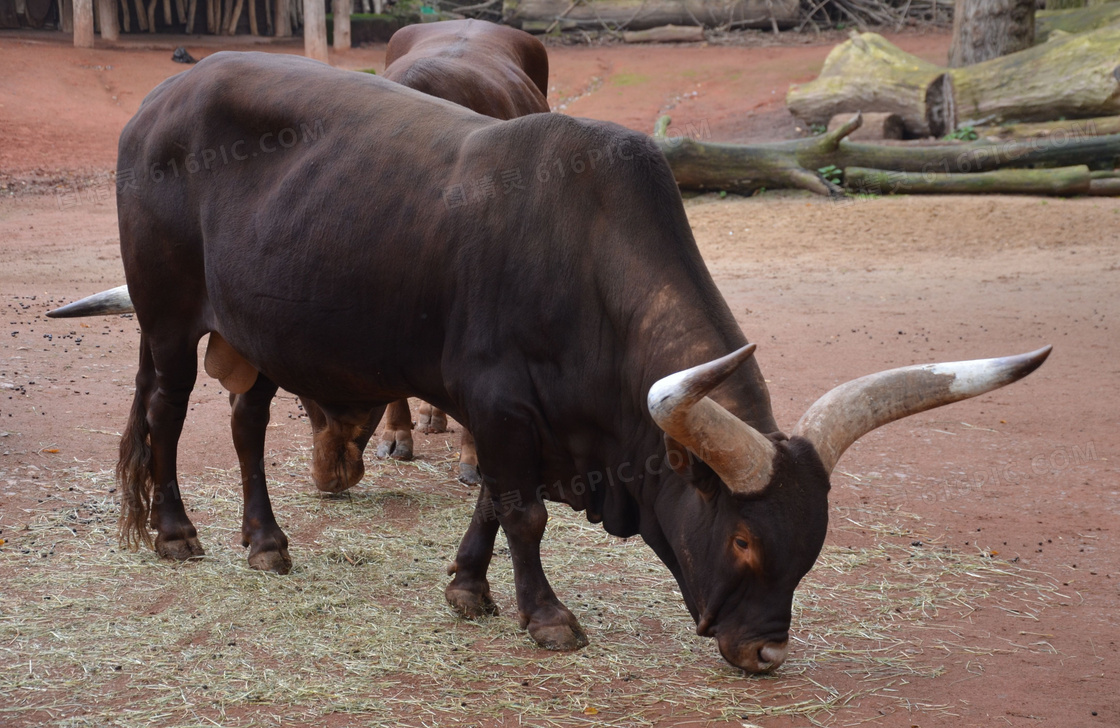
[[469, 475], [277, 561], [432, 420], [179, 549], [396, 444], [471, 604], [561, 637]]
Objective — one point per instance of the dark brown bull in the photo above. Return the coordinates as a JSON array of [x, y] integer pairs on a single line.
[[494, 70], [497, 71], [566, 318]]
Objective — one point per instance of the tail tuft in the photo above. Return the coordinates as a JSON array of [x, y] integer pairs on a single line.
[[134, 477]]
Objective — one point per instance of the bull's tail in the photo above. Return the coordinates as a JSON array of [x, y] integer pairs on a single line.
[[113, 301], [134, 474]]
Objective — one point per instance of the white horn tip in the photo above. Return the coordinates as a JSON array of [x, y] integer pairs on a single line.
[[983, 375], [689, 386]]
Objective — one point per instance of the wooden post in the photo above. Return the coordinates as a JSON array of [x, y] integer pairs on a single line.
[[315, 29], [283, 19], [107, 15], [342, 10], [83, 23]]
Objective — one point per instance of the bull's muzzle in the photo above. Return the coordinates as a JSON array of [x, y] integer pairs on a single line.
[[755, 656]]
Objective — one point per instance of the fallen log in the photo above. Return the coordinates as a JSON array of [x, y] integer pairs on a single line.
[[797, 164], [1105, 187], [532, 15], [1077, 20], [1062, 181], [1064, 129], [1073, 77], [868, 73], [666, 34], [876, 126]]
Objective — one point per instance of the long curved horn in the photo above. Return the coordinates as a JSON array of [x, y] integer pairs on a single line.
[[741, 456], [113, 301], [855, 408]]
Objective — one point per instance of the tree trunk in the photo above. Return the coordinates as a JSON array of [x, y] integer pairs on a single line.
[[83, 23], [126, 16], [986, 29], [1061, 181], [283, 18], [315, 30], [341, 10], [797, 164], [867, 73], [107, 14], [1073, 77], [253, 27]]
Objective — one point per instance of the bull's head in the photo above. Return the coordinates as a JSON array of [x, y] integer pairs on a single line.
[[754, 521]]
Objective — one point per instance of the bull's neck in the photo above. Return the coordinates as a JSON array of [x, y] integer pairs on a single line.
[[681, 326]]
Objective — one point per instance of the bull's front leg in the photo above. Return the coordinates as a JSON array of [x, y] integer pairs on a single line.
[[509, 456], [549, 622], [268, 546]]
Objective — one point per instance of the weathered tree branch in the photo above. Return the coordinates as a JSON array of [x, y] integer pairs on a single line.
[[746, 168]]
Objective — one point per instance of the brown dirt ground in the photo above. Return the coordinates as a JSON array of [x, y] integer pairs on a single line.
[[830, 291]]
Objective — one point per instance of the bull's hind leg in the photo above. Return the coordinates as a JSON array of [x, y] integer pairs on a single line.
[[268, 546], [468, 460], [396, 439], [432, 419], [147, 466], [469, 592]]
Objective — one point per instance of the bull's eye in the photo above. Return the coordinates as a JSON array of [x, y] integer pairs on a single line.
[[742, 543]]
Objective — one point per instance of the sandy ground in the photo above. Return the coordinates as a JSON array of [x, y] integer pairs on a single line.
[[830, 291]]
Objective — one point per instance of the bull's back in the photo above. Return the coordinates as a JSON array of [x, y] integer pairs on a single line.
[[263, 190], [494, 70]]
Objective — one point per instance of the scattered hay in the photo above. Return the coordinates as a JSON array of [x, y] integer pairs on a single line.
[[93, 636]]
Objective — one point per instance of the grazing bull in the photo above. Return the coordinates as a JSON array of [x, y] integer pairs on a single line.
[[494, 70], [566, 317]]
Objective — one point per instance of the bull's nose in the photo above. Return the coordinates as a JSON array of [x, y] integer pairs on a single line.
[[757, 656]]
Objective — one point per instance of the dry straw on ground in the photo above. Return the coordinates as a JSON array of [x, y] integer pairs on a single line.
[[93, 636]]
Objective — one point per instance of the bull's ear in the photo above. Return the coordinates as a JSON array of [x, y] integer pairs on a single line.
[[689, 467]]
